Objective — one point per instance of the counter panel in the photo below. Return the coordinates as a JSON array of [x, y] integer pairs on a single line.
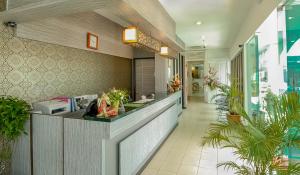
[[145, 141]]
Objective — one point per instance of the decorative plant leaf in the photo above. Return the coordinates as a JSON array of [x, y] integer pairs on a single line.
[[261, 138], [14, 113]]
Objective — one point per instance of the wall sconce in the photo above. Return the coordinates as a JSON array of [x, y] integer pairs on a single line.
[[164, 51], [136, 38], [130, 35], [168, 52]]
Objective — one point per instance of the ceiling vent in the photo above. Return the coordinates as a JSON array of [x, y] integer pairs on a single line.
[[195, 53], [3, 5]]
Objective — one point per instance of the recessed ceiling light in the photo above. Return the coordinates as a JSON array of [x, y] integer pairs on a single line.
[[291, 17], [199, 22], [293, 41]]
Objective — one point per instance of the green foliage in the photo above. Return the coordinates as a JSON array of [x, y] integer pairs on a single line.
[[5, 151], [260, 138], [118, 95], [232, 95], [14, 113]]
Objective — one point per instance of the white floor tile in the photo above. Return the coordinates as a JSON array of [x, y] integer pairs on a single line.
[[183, 153]]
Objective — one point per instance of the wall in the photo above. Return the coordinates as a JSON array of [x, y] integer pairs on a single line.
[[256, 16], [144, 77], [72, 31], [141, 53], [161, 73], [36, 70], [217, 54], [155, 13]]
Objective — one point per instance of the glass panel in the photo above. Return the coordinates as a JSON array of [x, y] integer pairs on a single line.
[[252, 96], [270, 70], [266, 64], [292, 18]]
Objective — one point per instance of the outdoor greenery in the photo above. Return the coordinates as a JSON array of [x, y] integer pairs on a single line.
[[261, 139]]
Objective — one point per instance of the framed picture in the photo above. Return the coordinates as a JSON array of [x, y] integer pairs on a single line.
[[92, 41]]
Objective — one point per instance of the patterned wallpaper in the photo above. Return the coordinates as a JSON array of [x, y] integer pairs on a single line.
[[36, 71]]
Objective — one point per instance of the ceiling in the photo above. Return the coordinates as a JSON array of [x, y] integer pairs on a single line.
[[221, 20]]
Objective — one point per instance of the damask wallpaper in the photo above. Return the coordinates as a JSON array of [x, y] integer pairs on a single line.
[[36, 71]]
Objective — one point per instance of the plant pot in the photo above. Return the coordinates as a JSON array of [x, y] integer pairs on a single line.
[[234, 118], [5, 156], [281, 162]]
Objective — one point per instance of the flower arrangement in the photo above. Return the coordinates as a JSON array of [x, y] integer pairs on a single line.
[[108, 104], [211, 80], [176, 83]]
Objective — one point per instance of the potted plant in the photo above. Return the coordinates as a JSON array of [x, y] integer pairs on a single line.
[[233, 98], [14, 113], [259, 144], [109, 104], [118, 97]]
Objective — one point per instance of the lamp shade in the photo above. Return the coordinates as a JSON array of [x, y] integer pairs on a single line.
[[136, 38], [164, 50], [130, 35]]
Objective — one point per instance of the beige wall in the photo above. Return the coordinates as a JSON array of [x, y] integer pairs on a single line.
[[72, 31], [36, 70], [161, 73], [256, 16], [154, 12]]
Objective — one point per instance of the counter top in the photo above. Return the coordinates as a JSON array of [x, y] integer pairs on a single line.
[[158, 97]]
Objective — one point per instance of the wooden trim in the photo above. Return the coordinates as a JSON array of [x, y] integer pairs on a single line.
[[89, 35]]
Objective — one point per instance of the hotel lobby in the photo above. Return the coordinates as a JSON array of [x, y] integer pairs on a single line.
[[152, 87]]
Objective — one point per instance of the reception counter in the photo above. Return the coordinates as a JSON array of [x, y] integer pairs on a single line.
[[75, 145]]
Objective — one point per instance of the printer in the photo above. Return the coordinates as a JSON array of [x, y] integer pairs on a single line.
[[52, 107]]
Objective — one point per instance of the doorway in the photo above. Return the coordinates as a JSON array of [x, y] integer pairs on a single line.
[[195, 79]]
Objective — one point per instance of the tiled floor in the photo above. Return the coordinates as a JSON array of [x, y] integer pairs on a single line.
[[182, 153]]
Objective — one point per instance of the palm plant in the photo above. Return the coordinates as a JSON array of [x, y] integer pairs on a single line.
[[231, 99], [261, 138]]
